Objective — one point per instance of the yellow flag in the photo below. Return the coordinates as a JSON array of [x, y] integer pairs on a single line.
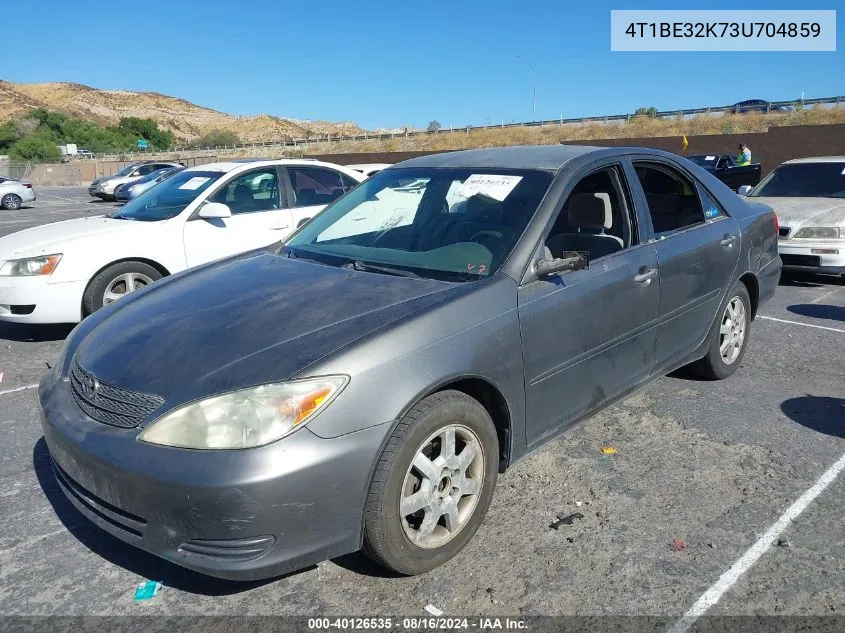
[[685, 143]]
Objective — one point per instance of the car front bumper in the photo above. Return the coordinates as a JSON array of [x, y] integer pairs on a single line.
[[36, 300], [238, 514], [813, 256]]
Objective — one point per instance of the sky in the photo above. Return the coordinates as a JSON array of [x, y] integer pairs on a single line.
[[396, 64]]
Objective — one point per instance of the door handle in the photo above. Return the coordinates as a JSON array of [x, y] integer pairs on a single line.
[[646, 277], [728, 240]]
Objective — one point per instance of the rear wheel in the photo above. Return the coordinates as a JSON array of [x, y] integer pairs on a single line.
[[730, 338], [11, 202], [116, 281], [433, 484]]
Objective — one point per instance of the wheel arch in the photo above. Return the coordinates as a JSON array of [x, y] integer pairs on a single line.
[[143, 260], [490, 397], [751, 284]]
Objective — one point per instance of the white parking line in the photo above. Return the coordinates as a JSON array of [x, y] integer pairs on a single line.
[[825, 295], [50, 195], [818, 327], [727, 580], [3, 393]]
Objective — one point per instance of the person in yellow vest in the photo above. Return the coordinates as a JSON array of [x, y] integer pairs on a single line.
[[744, 156]]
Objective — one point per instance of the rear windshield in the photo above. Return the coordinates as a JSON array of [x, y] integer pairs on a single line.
[[803, 180]]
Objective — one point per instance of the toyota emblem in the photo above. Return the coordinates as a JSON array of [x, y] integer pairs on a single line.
[[90, 385]]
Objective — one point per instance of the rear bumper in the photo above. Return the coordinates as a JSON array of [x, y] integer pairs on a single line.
[[36, 300], [28, 195], [240, 515]]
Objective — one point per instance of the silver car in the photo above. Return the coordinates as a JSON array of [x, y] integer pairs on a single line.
[[104, 188], [13, 193]]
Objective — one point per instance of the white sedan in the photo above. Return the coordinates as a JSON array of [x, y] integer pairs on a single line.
[[61, 272], [14, 193], [808, 195]]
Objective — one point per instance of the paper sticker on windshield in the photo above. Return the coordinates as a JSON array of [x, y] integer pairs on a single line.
[[492, 186], [194, 183], [709, 158], [843, 172]]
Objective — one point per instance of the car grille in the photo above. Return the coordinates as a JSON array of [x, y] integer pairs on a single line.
[[800, 260], [109, 404], [783, 231]]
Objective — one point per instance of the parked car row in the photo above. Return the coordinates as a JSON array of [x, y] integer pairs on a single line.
[[360, 382], [105, 187]]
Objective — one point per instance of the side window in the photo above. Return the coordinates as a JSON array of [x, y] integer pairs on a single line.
[[143, 170], [712, 210], [673, 202], [595, 217], [348, 183], [315, 186], [250, 192], [723, 163]]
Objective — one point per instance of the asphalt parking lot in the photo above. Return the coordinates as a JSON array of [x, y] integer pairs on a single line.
[[680, 513]]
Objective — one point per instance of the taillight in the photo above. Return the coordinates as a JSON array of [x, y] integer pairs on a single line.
[[28, 185]]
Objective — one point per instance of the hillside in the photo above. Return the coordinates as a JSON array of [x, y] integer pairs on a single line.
[[186, 120]]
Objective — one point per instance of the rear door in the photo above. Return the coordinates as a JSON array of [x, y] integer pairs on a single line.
[[698, 248], [260, 217], [311, 188]]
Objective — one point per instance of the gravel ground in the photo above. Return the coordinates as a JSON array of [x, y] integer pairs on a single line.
[[711, 464]]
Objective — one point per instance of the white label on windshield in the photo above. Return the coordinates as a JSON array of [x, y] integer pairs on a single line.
[[843, 172], [709, 158], [496, 187], [194, 183]]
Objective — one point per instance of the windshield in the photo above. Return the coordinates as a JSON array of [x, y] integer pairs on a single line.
[[704, 161], [169, 198], [452, 224], [803, 180], [124, 172]]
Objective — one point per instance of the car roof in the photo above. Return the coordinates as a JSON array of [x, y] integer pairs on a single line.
[[227, 166], [545, 157], [817, 159]]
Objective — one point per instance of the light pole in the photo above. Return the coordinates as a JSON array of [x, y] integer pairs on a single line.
[[533, 88]]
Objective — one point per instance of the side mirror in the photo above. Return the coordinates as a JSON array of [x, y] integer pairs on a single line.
[[547, 267], [744, 190], [212, 210]]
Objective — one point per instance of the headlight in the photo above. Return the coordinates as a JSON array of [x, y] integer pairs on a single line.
[[820, 233], [30, 266], [245, 418]]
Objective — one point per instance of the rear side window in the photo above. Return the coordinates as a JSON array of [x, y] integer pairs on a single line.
[[672, 198], [314, 186], [712, 209]]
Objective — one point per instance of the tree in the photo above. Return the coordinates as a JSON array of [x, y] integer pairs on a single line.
[[35, 149], [148, 130], [8, 137], [651, 111], [216, 138], [433, 126]]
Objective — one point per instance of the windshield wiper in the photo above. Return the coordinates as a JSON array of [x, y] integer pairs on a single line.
[[357, 264]]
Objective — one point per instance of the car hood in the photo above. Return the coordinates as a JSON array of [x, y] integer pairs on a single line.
[[244, 321], [797, 212], [48, 238]]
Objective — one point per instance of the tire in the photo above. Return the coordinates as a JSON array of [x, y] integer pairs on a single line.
[[403, 543], [716, 365], [11, 202], [134, 274]]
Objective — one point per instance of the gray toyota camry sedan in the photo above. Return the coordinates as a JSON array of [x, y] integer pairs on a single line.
[[362, 384]]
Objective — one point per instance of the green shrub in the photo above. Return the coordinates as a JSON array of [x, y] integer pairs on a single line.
[[35, 149]]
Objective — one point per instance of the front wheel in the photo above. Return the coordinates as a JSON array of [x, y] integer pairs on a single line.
[[116, 281], [11, 202], [730, 339], [432, 485]]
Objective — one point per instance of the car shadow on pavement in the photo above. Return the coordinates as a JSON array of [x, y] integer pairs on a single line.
[[818, 311], [123, 555], [822, 414], [25, 333], [359, 563]]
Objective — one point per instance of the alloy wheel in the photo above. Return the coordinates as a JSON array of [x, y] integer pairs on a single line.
[[732, 330]]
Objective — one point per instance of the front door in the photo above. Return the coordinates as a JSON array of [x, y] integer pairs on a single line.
[[259, 218], [697, 250], [589, 335]]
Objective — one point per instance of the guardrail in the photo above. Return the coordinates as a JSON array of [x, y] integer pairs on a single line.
[[774, 106]]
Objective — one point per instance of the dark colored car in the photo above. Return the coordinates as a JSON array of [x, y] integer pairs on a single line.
[[760, 105], [363, 387], [724, 167], [131, 190]]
